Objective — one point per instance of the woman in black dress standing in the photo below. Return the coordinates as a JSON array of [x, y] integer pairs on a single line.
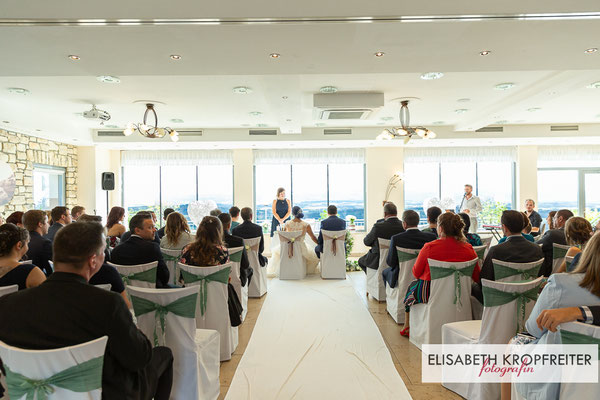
[[282, 208]]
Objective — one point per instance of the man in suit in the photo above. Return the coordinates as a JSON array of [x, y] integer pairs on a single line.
[[383, 229], [161, 231], [412, 238], [516, 249], [249, 230], [331, 223], [235, 241], [65, 311], [556, 235], [235, 216], [432, 215], [152, 215], [40, 248], [77, 212], [140, 248], [61, 216]]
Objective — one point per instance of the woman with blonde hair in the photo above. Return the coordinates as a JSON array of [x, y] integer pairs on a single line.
[[177, 232], [578, 232]]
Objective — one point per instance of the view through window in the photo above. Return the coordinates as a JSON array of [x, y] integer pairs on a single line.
[[48, 187]]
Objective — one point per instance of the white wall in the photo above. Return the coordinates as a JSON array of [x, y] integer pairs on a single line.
[[527, 157]]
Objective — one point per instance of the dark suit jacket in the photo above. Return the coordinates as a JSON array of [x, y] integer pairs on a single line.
[[410, 239], [65, 311], [127, 235], [245, 269], [381, 230], [516, 249], [52, 231], [249, 230], [332, 223], [552, 236], [136, 250], [596, 314], [161, 232], [40, 252], [430, 230]]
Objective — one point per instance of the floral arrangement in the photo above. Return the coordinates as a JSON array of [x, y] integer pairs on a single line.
[[351, 219]]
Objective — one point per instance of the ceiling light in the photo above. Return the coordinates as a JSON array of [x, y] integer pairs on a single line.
[[386, 118], [111, 126], [17, 90], [262, 125], [595, 85], [379, 54], [463, 100], [74, 57], [591, 50], [274, 55], [175, 57], [242, 90], [461, 110], [405, 130], [288, 120], [438, 122], [108, 79], [501, 122], [245, 124], [533, 109], [485, 53], [320, 124], [504, 86], [328, 89], [148, 130], [255, 113], [6, 122], [284, 97], [428, 76], [176, 120]]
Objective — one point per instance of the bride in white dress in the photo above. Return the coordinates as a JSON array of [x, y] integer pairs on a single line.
[[308, 249]]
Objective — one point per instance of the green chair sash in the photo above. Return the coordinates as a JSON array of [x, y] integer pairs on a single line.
[[405, 256], [558, 252], [80, 378], [493, 298], [221, 276], [569, 337], [183, 307], [439, 272], [480, 253], [168, 257], [502, 271], [237, 256], [144, 276]]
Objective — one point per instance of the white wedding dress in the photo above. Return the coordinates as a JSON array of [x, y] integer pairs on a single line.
[[306, 245]]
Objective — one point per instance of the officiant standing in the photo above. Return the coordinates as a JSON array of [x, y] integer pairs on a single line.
[[471, 205], [282, 208]]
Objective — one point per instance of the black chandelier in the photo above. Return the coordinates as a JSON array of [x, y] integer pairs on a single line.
[[151, 131], [405, 130]]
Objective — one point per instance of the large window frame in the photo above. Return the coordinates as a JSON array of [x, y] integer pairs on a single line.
[[59, 172], [581, 172]]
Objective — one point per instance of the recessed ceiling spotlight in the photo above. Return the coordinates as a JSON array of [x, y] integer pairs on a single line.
[[176, 120], [262, 125], [533, 109], [461, 110], [245, 124], [17, 90], [381, 123], [111, 126], [288, 120], [74, 57], [284, 97], [501, 122], [386, 118], [591, 50], [255, 113], [38, 130], [175, 57], [463, 100], [328, 89], [379, 54], [428, 76], [594, 85], [320, 124], [108, 79], [274, 55], [242, 90], [504, 86], [485, 53], [438, 122], [6, 122], [552, 93]]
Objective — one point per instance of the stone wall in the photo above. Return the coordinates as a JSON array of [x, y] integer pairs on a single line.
[[21, 152]]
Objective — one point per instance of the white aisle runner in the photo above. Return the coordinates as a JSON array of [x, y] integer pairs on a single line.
[[315, 339]]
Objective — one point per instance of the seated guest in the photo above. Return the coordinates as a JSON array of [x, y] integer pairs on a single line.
[[578, 232], [140, 248], [77, 212], [551, 319], [331, 223], [472, 238], [66, 311], [515, 249], [235, 216], [151, 215], [61, 216], [232, 241], [533, 216], [13, 246], [177, 232], [16, 218], [385, 229], [432, 216], [249, 230], [215, 213], [451, 246], [40, 248], [114, 222], [525, 232], [556, 235], [161, 231], [550, 220], [412, 238]]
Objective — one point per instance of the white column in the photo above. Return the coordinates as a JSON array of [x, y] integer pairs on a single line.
[[527, 157], [382, 163], [243, 178]]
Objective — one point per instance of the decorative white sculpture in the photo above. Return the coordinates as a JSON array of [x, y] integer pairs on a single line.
[[200, 209]]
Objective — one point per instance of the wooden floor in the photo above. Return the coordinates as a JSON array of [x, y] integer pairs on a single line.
[[407, 358]]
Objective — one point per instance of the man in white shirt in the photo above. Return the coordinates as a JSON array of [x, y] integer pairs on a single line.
[[471, 205]]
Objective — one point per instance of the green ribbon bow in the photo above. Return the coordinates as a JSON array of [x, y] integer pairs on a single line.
[[144, 276], [480, 253], [168, 257], [237, 256], [80, 378], [404, 256], [494, 297], [221, 276], [184, 307], [558, 252], [502, 271], [569, 337], [439, 272]]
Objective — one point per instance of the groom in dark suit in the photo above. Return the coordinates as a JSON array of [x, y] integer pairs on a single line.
[[331, 223]]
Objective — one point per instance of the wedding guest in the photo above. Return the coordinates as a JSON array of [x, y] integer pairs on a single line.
[[282, 209], [40, 248], [472, 238], [177, 232], [61, 216], [151, 215], [235, 216], [385, 229], [232, 241], [16, 218], [550, 220], [534, 217], [161, 231], [551, 319], [524, 232], [432, 216], [66, 311], [76, 212], [250, 230], [13, 246], [331, 223], [556, 235], [114, 223], [578, 232], [215, 213]]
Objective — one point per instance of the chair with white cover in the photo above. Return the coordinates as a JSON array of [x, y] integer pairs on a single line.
[[487, 241], [67, 373], [375, 284], [449, 301], [505, 271], [172, 257], [258, 285], [25, 262], [105, 286], [212, 311], [235, 257], [4, 290], [395, 296], [480, 251], [292, 264], [559, 252], [333, 257], [168, 318], [141, 275], [507, 306]]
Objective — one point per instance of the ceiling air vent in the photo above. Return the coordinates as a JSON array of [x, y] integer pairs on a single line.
[[189, 132], [263, 132], [491, 129], [337, 131], [110, 133], [564, 128], [345, 114]]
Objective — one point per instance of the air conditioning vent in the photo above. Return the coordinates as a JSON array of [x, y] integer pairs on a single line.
[[263, 132], [110, 133], [337, 131], [564, 128], [345, 114], [189, 132], [491, 129]]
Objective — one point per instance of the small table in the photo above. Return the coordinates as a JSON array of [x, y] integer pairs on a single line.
[[495, 230]]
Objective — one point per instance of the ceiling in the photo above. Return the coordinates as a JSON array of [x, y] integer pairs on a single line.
[[544, 57]]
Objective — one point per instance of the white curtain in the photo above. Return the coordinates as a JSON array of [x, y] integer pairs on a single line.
[[309, 156], [569, 153], [176, 157], [460, 154]]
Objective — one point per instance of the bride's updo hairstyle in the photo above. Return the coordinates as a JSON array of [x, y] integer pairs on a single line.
[[452, 225], [297, 212], [10, 235]]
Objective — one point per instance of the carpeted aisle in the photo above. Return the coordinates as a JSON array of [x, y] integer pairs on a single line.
[[315, 339]]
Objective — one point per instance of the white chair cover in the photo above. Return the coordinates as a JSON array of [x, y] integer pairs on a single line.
[[235, 256], [333, 266], [426, 320], [258, 285], [568, 262], [4, 290], [292, 264], [208, 350], [375, 285], [43, 364], [171, 258], [105, 286], [481, 250], [395, 296], [488, 242], [525, 276], [134, 269], [25, 262], [216, 315], [559, 252]]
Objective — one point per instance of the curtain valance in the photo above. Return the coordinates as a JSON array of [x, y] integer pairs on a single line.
[[309, 156], [176, 157], [460, 154]]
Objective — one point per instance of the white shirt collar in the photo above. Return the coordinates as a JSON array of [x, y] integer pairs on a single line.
[[413, 228]]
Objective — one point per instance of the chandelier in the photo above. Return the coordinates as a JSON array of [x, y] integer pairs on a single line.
[[405, 130], [151, 131]]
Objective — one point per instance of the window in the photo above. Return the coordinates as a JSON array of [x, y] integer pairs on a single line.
[[141, 189], [347, 191], [421, 182], [310, 189], [48, 187]]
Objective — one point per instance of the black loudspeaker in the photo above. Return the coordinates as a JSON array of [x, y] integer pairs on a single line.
[[108, 181]]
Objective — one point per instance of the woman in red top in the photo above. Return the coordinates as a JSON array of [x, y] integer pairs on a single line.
[[451, 246]]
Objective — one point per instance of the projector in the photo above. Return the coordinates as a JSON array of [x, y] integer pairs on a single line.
[[94, 113]]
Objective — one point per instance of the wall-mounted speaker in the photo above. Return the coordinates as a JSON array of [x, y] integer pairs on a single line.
[[108, 181]]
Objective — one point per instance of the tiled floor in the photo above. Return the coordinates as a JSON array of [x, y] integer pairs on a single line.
[[407, 358]]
